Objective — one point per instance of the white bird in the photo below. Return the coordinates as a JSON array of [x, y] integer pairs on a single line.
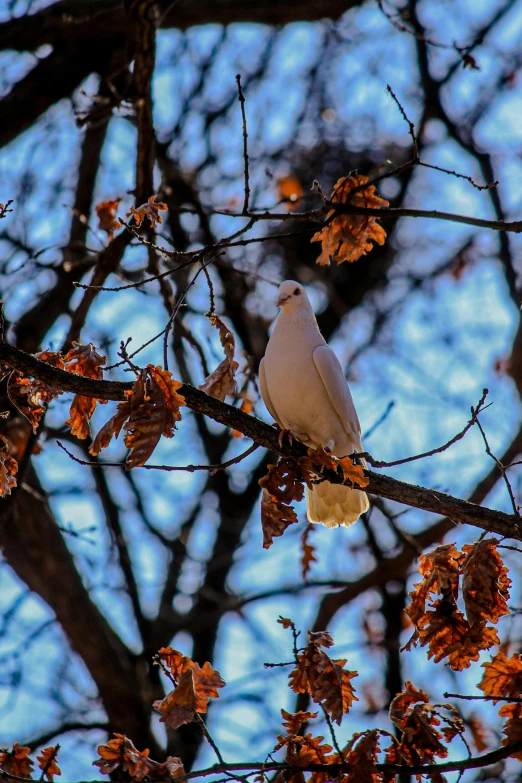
[[304, 388]]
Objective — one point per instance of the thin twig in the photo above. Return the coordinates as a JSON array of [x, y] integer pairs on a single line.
[[501, 468], [482, 698], [474, 420], [168, 468], [245, 147], [411, 126]]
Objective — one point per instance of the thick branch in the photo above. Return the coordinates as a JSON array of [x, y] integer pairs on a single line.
[[420, 497], [334, 770]]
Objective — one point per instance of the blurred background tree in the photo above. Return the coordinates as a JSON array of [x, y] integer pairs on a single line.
[[106, 100]]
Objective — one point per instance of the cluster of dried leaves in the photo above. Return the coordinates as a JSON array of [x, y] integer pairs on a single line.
[[502, 679], [324, 679], [17, 761], [120, 754], [424, 730], [349, 236], [284, 484], [109, 222], [150, 410], [439, 623]]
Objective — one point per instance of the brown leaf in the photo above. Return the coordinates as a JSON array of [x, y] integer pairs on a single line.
[[362, 757], [86, 361], [318, 460], [444, 629], [502, 677], [150, 210], [17, 761], [195, 686], [304, 750], [154, 412], [150, 411], [418, 720], [513, 726], [401, 704], [327, 682], [47, 762], [281, 486], [8, 468], [30, 396], [178, 706], [175, 661], [112, 428], [348, 237], [106, 212], [120, 752], [307, 552], [485, 584], [222, 381], [292, 721]]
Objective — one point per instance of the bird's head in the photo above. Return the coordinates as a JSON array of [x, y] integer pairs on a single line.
[[292, 297]]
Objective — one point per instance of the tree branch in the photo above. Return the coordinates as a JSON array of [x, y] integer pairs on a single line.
[[457, 510]]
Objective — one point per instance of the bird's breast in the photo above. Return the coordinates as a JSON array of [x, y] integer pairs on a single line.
[[296, 390]]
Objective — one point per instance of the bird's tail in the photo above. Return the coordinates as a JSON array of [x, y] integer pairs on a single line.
[[335, 504]]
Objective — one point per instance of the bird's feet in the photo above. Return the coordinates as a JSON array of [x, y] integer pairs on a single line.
[[282, 433]]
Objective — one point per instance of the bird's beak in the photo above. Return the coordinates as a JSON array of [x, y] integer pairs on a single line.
[[282, 299]]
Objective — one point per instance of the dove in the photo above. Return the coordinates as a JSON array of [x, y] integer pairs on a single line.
[[304, 389]]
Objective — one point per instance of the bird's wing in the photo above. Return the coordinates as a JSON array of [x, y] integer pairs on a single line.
[[265, 395], [332, 376]]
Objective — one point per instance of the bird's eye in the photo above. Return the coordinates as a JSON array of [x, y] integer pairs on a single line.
[[297, 292]]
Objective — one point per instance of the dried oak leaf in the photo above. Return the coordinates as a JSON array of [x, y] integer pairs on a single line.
[[313, 465], [192, 693], [150, 210], [30, 396], [418, 720], [326, 680], [513, 726], [8, 468], [222, 381], [502, 677], [361, 758], [307, 552], [348, 237], [86, 361], [47, 762], [17, 761], [281, 485], [444, 628], [440, 569], [292, 721], [175, 661], [302, 750], [106, 212], [485, 584], [120, 752]]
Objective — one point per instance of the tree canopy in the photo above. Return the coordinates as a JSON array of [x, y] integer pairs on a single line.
[[163, 167]]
